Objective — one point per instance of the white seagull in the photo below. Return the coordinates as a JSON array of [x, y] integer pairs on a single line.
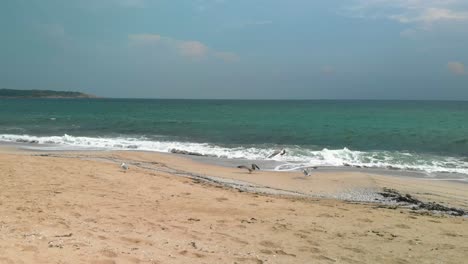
[[124, 166]]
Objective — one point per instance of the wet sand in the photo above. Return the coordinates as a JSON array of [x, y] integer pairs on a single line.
[[81, 207]]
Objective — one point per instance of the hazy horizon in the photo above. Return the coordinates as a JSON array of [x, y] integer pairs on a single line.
[[224, 49]]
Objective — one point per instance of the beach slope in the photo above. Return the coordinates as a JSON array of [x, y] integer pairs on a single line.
[[83, 208]]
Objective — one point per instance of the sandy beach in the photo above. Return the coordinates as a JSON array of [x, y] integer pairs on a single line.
[[81, 207]]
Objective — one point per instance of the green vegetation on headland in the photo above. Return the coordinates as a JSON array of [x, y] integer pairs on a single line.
[[12, 93]]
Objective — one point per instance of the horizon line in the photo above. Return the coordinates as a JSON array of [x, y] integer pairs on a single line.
[[278, 99]]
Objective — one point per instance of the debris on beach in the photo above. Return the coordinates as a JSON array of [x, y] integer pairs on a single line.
[[407, 199], [66, 235], [27, 141], [185, 152]]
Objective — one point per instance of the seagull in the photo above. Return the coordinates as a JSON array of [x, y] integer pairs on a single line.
[[124, 166], [277, 152], [250, 169], [307, 171], [255, 167]]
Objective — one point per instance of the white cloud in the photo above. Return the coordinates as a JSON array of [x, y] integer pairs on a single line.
[[431, 15], [193, 48], [186, 48], [421, 14], [456, 67]]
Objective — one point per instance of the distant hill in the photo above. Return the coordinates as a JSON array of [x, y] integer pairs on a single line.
[[12, 93]]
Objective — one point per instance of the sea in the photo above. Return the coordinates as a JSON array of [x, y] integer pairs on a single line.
[[429, 137]]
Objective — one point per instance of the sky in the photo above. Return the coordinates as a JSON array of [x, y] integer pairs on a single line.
[[238, 49]]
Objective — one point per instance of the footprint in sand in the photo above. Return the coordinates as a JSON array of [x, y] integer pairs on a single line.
[[29, 248], [75, 214], [313, 243], [451, 234], [300, 235], [6, 260], [401, 261], [313, 250], [266, 251], [281, 252], [349, 260], [304, 231], [322, 257], [108, 253], [90, 220], [104, 261], [221, 199], [281, 227], [269, 244], [249, 260], [353, 249], [326, 215], [232, 238], [133, 260], [132, 240], [403, 226]]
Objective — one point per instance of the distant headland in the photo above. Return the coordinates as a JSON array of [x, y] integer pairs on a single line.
[[13, 93]]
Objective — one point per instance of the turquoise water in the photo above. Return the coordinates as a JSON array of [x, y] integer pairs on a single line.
[[419, 135]]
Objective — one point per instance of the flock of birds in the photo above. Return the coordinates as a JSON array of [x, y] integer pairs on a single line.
[[306, 171]]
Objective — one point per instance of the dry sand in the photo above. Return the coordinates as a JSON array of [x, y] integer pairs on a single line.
[[83, 208]]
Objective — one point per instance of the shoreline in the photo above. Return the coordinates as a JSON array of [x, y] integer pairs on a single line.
[[268, 164], [355, 184]]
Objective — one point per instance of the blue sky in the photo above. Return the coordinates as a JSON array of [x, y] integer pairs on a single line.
[[261, 49]]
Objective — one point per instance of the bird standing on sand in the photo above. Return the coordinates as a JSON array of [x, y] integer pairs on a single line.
[[124, 166], [250, 169]]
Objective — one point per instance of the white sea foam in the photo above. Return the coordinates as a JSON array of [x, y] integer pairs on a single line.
[[296, 157]]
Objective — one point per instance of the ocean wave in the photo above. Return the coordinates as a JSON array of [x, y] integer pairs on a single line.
[[297, 157]]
